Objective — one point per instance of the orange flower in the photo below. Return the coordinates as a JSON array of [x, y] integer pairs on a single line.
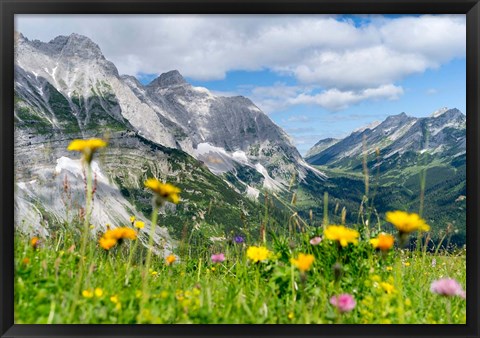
[[383, 242], [34, 242], [170, 259]]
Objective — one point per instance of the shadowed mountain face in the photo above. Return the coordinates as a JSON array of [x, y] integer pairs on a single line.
[[223, 150]]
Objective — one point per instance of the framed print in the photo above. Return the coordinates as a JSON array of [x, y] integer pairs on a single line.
[[247, 168]]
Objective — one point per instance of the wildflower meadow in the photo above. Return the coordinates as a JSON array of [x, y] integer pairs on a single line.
[[327, 274]]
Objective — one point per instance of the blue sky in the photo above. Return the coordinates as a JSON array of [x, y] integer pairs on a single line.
[[316, 76]]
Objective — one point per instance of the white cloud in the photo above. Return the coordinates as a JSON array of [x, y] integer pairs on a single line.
[[280, 97], [349, 63], [334, 99], [206, 47]]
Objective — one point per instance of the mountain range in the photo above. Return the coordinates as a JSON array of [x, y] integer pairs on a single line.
[[223, 152], [66, 89]]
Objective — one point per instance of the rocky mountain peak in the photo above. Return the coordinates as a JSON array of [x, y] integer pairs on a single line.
[[171, 78], [74, 45]]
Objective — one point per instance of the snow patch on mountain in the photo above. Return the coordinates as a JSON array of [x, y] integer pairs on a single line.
[[439, 112]]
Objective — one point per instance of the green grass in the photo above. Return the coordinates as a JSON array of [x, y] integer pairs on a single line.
[[194, 290]]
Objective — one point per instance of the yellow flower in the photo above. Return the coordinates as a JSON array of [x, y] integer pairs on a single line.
[[341, 234], [87, 293], [114, 299], [154, 273], [303, 262], [389, 268], [98, 292], [258, 253], [132, 219], [111, 237], [164, 191], [389, 288], [383, 242], [164, 294], [405, 222], [406, 263], [291, 315], [138, 294], [87, 147], [139, 224], [170, 259]]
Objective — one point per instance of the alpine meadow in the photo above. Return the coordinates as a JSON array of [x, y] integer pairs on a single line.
[[174, 197]]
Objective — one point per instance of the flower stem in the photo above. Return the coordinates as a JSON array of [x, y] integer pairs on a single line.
[[83, 245], [145, 294], [129, 262]]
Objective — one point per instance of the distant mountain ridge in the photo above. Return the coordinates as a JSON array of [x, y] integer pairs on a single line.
[[442, 134]]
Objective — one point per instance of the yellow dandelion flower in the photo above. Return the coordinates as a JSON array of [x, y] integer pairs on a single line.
[[258, 253], [154, 273], [98, 292], [87, 147], [139, 224], [132, 219], [87, 293], [164, 294], [114, 299], [389, 268], [111, 237], [405, 222], [303, 262], [341, 234], [387, 287], [291, 315], [383, 242], [170, 259], [164, 191], [406, 263]]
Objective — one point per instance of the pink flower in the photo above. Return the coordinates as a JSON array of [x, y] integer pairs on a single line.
[[315, 240], [218, 258], [344, 302], [447, 287]]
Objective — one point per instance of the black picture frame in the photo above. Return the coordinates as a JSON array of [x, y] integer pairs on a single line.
[[8, 9]]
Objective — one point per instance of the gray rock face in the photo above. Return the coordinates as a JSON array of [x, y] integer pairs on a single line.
[[168, 79], [66, 89], [442, 134]]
